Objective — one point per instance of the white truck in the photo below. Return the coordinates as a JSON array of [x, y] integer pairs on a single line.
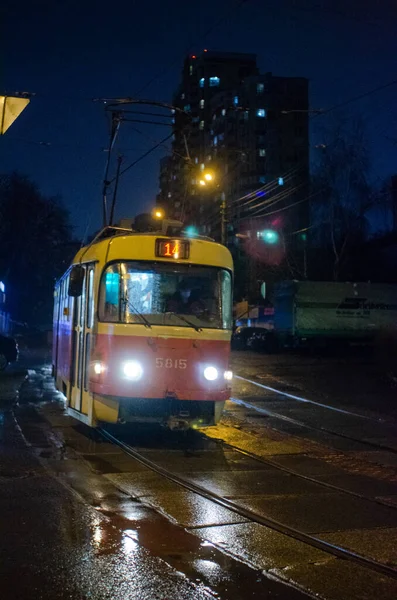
[[314, 313]]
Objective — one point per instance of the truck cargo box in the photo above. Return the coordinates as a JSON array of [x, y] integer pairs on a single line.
[[307, 309]]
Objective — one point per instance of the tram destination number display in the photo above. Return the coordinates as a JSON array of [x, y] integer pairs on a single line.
[[172, 248]]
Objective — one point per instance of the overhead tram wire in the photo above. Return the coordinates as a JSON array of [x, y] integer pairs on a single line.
[[164, 145], [217, 23], [142, 157]]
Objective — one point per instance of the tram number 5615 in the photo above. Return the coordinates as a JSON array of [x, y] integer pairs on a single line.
[[171, 363]]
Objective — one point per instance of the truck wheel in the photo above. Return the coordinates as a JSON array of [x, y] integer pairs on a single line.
[[3, 362]]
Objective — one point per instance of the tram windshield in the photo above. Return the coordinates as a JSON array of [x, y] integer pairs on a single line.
[[153, 293]]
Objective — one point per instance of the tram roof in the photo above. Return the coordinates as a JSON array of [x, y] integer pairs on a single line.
[[141, 246]]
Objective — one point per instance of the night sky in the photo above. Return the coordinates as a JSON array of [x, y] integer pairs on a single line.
[[71, 51]]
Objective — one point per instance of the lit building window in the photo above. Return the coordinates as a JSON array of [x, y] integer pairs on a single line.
[[174, 177], [202, 167], [202, 82], [223, 112], [214, 81], [246, 115], [202, 102], [281, 181], [260, 112], [235, 100], [191, 69], [183, 96], [209, 157], [214, 117], [186, 108], [262, 152], [216, 140], [260, 88], [172, 111], [201, 124], [196, 160], [169, 194]]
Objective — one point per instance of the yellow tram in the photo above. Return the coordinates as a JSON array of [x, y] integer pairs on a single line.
[[142, 328]]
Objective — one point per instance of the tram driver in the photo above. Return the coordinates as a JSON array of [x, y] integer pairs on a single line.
[[186, 300]]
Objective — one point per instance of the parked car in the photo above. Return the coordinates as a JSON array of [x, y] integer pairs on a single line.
[[262, 340], [242, 337], [8, 351], [258, 339]]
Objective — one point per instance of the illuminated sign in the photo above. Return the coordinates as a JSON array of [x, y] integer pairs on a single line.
[[167, 248]]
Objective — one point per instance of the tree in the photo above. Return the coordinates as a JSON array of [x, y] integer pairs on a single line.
[[343, 194], [35, 247]]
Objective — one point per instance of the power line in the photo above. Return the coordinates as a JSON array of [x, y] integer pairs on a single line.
[[267, 188], [286, 207], [278, 198], [356, 98], [48, 144]]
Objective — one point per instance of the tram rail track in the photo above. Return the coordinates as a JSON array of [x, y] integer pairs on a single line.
[[319, 482], [285, 418], [252, 516]]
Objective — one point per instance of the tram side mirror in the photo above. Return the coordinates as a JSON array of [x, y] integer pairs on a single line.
[[76, 280]]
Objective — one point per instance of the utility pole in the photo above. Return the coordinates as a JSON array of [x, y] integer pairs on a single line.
[[116, 120], [116, 185], [223, 218]]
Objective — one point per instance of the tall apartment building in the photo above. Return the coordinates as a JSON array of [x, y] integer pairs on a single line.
[[251, 131]]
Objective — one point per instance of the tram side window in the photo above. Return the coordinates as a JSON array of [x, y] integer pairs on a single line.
[[56, 303], [90, 299], [227, 305], [65, 300], [110, 293]]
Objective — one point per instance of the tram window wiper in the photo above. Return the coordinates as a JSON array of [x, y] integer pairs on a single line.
[[182, 318], [128, 302]]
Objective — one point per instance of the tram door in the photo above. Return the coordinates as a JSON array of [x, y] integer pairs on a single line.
[[83, 320]]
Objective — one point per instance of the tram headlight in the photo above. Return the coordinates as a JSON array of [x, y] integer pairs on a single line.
[[228, 375], [99, 368], [211, 373], [132, 369]]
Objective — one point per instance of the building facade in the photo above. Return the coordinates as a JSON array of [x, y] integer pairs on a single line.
[[250, 132]]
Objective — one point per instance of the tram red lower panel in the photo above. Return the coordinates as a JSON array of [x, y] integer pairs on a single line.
[[171, 367]]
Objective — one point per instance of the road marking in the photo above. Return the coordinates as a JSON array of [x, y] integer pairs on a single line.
[[307, 401]]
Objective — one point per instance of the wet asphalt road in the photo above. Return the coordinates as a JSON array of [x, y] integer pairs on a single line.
[[105, 527]]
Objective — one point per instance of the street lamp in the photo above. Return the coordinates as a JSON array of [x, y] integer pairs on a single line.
[[206, 178], [10, 108], [158, 213]]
